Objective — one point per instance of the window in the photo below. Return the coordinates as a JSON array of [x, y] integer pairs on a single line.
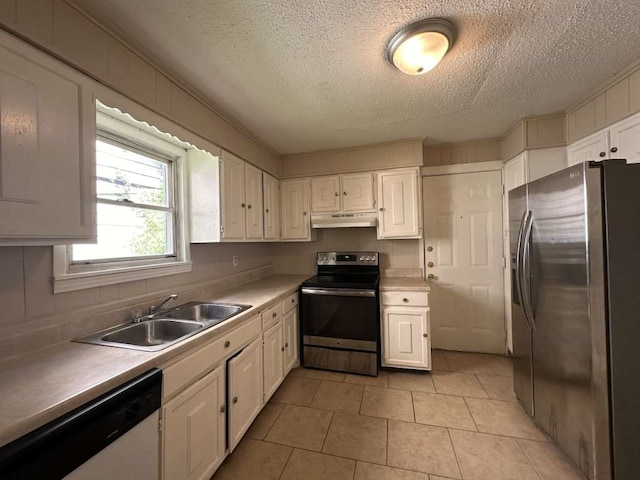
[[140, 220]]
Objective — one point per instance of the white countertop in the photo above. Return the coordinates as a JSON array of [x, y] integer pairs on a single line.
[[42, 386], [416, 284]]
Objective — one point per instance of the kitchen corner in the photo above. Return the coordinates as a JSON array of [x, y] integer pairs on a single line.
[[45, 384]]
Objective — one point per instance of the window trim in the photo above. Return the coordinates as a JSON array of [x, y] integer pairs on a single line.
[[71, 277]]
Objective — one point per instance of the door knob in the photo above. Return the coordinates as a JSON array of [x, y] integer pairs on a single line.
[[431, 276]]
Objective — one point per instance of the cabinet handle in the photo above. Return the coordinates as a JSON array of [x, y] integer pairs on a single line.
[[602, 154], [614, 149], [227, 344], [223, 408], [243, 205], [405, 300], [235, 400], [274, 314]]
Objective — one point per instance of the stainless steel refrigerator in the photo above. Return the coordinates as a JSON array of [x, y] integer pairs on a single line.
[[575, 273]]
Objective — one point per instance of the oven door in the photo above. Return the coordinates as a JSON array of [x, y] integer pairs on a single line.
[[341, 318]]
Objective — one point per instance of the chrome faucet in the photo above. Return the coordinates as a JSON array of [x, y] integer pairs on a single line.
[[153, 308]]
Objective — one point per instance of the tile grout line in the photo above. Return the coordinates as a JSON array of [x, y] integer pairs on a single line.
[[274, 421], [284, 467], [454, 454], [326, 434], [471, 414], [528, 459]]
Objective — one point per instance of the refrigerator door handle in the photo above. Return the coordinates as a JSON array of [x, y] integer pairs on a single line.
[[525, 272], [519, 260]]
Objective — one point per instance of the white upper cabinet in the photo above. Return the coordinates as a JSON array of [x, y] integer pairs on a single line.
[[625, 139], [47, 149], [233, 202], [594, 147], [225, 199], [253, 199], [271, 207], [294, 210], [343, 193], [399, 200], [620, 140], [515, 172]]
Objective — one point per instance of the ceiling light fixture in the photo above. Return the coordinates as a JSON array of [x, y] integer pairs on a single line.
[[419, 47]]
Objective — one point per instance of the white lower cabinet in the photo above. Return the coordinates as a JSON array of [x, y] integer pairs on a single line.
[[245, 391], [406, 331], [272, 356], [194, 429], [290, 335]]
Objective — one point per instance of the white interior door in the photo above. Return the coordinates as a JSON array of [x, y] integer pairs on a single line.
[[464, 253]]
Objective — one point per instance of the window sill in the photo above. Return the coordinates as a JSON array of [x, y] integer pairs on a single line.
[[68, 282]]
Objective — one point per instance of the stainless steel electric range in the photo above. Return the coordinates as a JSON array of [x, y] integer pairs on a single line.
[[340, 313]]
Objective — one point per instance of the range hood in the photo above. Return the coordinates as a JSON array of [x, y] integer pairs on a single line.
[[341, 220]]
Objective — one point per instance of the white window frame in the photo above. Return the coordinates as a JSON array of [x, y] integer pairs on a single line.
[[70, 277]]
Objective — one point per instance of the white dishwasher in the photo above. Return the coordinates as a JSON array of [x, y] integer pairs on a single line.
[[113, 437]]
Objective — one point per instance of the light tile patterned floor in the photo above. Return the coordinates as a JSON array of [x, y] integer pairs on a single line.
[[459, 422]]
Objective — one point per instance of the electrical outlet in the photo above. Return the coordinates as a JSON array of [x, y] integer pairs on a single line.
[[235, 260]]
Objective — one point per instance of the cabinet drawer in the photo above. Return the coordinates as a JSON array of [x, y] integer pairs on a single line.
[[188, 369], [290, 302], [271, 315], [415, 299]]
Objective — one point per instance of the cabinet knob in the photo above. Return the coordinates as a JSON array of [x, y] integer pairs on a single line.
[[293, 300], [425, 335], [304, 213], [274, 314], [227, 344], [431, 276], [235, 400], [405, 300], [243, 205], [286, 345], [337, 194], [430, 264], [381, 209], [429, 248], [282, 349], [602, 154], [344, 193], [249, 206], [267, 210], [223, 408], [614, 149]]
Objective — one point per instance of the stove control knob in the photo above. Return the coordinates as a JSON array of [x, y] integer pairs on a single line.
[[373, 258], [367, 258], [361, 259]]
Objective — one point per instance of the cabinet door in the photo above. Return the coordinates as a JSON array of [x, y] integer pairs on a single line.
[[515, 172], [625, 140], [233, 202], [47, 148], [290, 324], [245, 391], [357, 193], [294, 209], [271, 207], [594, 147], [194, 429], [253, 199], [406, 337], [273, 359], [325, 194], [399, 201]]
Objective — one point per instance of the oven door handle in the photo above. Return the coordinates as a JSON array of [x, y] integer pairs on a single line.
[[340, 292]]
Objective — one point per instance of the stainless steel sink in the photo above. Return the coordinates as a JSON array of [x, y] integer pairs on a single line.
[[215, 312], [153, 332], [164, 328]]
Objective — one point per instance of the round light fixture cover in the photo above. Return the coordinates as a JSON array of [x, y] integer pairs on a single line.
[[419, 47]]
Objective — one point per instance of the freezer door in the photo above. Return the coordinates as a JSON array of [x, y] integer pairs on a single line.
[[522, 360], [559, 301]]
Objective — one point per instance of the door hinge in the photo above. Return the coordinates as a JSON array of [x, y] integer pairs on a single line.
[[160, 424], [221, 228], [503, 189]]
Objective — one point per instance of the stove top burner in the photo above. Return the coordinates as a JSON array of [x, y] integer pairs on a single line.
[[346, 270]]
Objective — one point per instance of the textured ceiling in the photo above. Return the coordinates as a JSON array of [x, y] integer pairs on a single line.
[[306, 75]]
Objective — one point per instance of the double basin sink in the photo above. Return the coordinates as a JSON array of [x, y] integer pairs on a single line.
[[165, 328]]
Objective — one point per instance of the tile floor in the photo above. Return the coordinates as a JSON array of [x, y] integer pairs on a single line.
[[460, 421]]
